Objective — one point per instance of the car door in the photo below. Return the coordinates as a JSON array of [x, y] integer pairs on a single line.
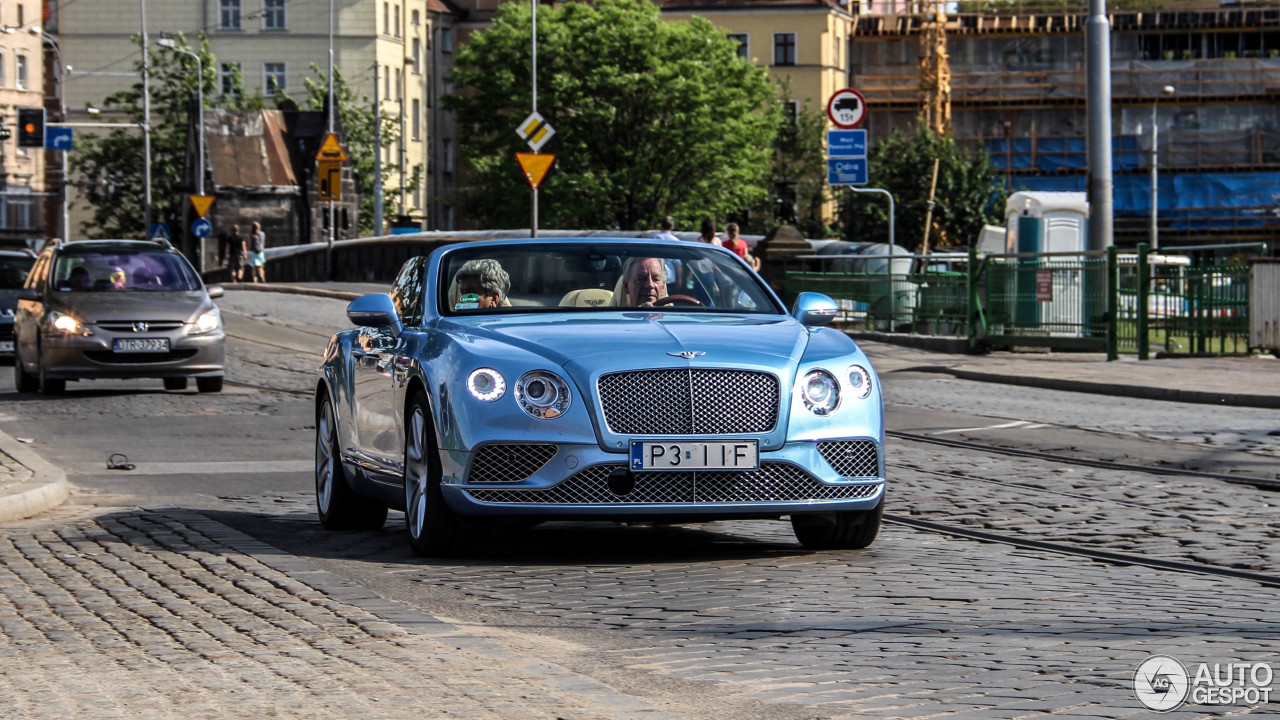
[[380, 370], [27, 316]]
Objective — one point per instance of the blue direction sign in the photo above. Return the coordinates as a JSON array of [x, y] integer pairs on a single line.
[[59, 138], [847, 143], [846, 171], [201, 228]]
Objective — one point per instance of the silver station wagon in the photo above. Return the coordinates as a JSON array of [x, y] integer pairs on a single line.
[[116, 309], [628, 380]]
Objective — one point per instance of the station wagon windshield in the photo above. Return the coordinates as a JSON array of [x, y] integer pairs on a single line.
[[598, 277]]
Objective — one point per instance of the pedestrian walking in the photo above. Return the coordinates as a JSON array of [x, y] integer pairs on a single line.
[[667, 225], [234, 256], [740, 247], [708, 233], [258, 253]]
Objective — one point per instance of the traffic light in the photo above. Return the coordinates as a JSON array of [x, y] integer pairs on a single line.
[[30, 127]]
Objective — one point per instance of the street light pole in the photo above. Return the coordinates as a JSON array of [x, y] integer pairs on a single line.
[[146, 126], [1155, 161], [52, 43], [172, 44]]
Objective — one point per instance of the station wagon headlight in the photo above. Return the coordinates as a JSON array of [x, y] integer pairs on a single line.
[[64, 323], [486, 384], [821, 392], [208, 322], [542, 394], [859, 381]]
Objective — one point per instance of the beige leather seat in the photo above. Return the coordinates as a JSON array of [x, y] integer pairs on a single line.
[[587, 297]]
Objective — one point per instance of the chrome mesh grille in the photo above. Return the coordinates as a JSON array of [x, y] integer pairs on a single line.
[[127, 325], [851, 458], [692, 401], [773, 482], [509, 462]]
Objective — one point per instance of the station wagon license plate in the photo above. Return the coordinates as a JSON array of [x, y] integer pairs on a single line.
[[140, 345], [695, 455]]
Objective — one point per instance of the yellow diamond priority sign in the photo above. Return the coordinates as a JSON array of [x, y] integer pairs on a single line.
[[536, 131], [535, 167]]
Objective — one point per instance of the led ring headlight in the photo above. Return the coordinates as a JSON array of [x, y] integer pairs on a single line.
[[542, 394], [859, 381], [486, 384], [821, 392]]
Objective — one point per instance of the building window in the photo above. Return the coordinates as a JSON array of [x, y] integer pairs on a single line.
[[447, 159], [20, 71], [272, 14], [386, 18], [2, 78], [741, 39], [790, 111], [398, 21], [417, 120], [399, 84], [386, 81], [446, 40], [784, 48], [417, 52], [228, 76], [229, 19], [446, 217], [415, 19], [22, 12], [273, 79]]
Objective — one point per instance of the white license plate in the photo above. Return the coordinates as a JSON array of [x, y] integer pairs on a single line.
[[6, 346], [140, 345], [693, 455]]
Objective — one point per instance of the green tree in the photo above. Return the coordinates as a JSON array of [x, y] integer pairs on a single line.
[[969, 193], [358, 131], [110, 166], [797, 181], [652, 118]]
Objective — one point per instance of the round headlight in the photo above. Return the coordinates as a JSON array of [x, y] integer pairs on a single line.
[[821, 392], [64, 323], [486, 384], [859, 381], [542, 394]]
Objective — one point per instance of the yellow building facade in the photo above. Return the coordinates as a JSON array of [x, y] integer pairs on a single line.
[[23, 195]]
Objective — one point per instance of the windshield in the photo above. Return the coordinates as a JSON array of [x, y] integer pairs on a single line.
[[13, 271], [119, 269], [598, 277]]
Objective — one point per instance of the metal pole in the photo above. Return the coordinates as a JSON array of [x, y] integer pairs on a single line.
[[146, 127], [533, 217], [404, 198], [1098, 87], [1155, 161], [888, 195], [377, 163], [328, 255]]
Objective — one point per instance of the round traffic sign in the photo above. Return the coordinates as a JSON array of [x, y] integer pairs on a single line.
[[201, 228], [847, 108]]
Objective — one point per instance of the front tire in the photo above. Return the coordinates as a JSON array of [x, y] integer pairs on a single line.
[[434, 531], [179, 383], [209, 384], [47, 385], [848, 531], [339, 507], [22, 382]]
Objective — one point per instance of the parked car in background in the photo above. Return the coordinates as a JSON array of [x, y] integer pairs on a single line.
[[14, 267], [116, 309], [628, 380]]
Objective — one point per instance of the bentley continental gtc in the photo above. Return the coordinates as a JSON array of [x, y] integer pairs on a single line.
[[595, 379]]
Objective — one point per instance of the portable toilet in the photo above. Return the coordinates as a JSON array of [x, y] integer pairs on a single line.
[[1046, 222]]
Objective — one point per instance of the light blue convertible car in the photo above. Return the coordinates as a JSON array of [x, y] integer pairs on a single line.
[[627, 380]]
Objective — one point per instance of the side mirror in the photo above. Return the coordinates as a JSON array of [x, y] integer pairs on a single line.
[[28, 294], [215, 292], [814, 309], [375, 310]]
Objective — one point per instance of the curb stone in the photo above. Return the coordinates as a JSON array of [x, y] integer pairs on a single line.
[[47, 488]]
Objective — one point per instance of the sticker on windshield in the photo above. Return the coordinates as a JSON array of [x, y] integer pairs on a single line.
[[470, 301]]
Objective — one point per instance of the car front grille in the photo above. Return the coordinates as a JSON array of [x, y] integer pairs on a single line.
[[689, 401], [122, 326], [773, 482], [851, 458], [6, 332], [509, 462], [110, 358]]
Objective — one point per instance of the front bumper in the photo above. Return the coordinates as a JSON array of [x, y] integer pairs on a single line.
[[72, 357], [584, 481]]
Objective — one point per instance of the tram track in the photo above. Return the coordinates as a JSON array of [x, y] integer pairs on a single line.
[[1105, 556], [1258, 482]]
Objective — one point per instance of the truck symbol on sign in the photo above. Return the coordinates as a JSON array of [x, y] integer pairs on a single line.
[[847, 103]]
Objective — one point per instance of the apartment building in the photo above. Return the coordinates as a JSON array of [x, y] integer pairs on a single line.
[[24, 194], [274, 44], [1205, 75]]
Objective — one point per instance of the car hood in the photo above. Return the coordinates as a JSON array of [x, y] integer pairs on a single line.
[[615, 341], [92, 307]]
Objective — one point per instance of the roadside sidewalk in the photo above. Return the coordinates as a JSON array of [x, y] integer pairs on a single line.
[[28, 484]]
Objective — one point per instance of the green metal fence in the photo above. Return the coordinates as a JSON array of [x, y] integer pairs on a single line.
[[1103, 301]]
